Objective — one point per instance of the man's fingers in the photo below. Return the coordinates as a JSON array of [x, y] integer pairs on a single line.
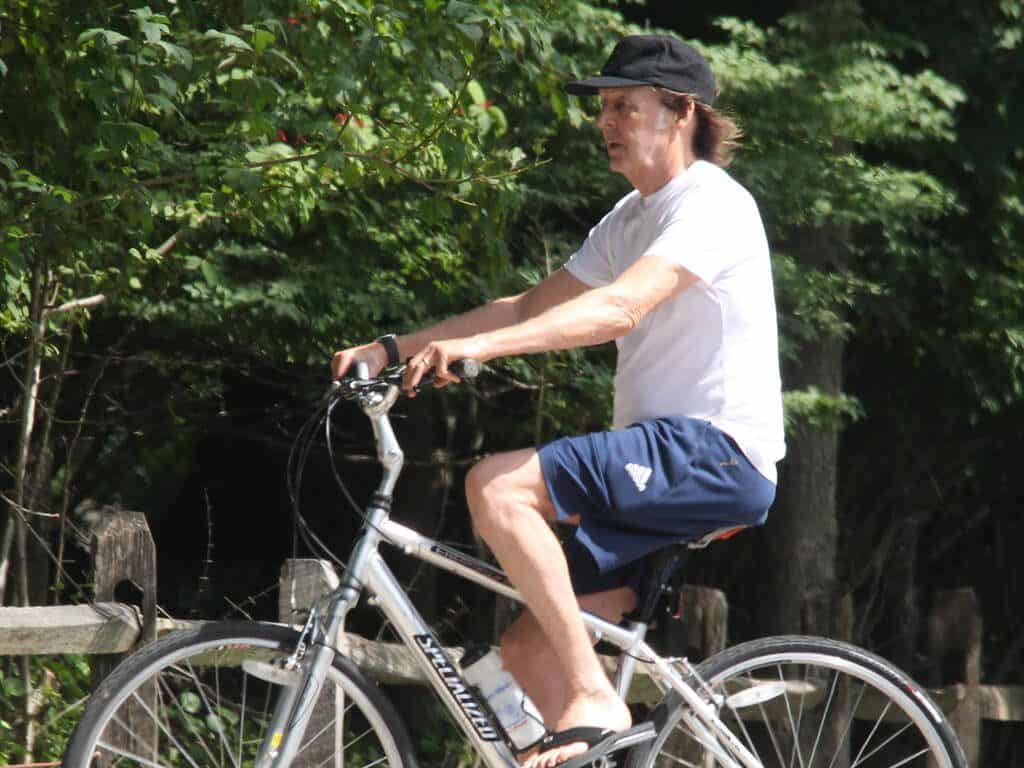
[[414, 372]]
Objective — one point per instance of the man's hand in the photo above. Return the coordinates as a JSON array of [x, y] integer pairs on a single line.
[[437, 355], [373, 354]]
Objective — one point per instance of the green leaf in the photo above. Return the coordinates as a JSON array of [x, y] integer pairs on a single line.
[[227, 40], [190, 702], [476, 92], [135, 283], [118, 135], [175, 52], [500, 121], [153, 32], [262, 39], [473, 31], [275, 54], [14, 686], [161, 102], [168, 85], [243, 179], [109, 36], [3, 69]]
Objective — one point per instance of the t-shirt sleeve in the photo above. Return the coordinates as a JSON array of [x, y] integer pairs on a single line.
[[696, 235], [592, 263]]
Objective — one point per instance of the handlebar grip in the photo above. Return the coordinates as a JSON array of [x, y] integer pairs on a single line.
[[467, 368]]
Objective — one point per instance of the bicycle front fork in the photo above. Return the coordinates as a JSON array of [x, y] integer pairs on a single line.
[[301, 676]]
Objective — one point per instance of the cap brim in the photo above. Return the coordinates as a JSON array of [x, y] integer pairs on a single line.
[[592, 85]]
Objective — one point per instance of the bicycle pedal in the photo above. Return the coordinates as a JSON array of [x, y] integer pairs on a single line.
[[272, 673], [600, 755]]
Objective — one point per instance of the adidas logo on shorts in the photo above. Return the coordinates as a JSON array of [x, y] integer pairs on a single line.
[[639, 475]]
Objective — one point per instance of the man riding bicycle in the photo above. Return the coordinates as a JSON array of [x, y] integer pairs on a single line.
[[678, 274]]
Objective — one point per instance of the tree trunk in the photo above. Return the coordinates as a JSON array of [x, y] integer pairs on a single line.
[[14, 528], [801, 535]]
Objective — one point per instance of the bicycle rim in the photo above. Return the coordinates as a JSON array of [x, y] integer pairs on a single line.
[[206, 697], [799, 702]]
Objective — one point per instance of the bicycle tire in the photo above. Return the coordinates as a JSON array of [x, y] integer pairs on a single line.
[[186, 700], [824, 704]]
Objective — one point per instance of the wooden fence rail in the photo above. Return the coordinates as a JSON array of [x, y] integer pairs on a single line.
[[107, 627]]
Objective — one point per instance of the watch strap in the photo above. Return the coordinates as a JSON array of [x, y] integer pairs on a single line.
[[391, 347]]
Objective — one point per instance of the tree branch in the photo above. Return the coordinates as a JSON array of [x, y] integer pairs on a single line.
[[68, 306]]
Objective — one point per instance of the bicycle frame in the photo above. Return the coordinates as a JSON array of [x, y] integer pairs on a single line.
[[367, 570]]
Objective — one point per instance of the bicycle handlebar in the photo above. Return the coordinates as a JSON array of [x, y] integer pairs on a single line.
[[350, 387]]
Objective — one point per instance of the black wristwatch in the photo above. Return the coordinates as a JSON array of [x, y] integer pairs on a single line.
[[391, 347]]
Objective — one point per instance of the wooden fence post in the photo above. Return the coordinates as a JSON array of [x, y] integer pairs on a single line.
[[702, 626], [123, 552], [303, 582], [954, 650]]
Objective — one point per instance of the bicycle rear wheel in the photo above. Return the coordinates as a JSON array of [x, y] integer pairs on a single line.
[[805, 702], [205, 697]]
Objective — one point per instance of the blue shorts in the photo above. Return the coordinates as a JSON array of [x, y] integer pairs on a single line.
[[642, 488]]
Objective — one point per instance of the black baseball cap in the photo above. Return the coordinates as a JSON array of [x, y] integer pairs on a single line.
[[659, 60]]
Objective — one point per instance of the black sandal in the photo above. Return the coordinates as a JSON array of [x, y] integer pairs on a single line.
[[599, 741]]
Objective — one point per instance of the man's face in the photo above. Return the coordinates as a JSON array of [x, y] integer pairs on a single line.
[[637, 129]]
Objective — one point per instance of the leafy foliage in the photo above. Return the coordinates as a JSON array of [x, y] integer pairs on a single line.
[[60, 686]]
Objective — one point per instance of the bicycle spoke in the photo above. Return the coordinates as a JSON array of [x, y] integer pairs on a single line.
[[800, 714], [133, 758], [816, 703], [166, 728], [743, 727], [824, 717], [771, 734], [789, 716], [187, 686], [241, 717], [906, 760], [679, 760], [216, 715], [316, 736], [161, 726], [884, 743], [849, 724], [871, 735]]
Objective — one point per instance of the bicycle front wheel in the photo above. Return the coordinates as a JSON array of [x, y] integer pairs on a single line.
[[805, 702], [205, 697]]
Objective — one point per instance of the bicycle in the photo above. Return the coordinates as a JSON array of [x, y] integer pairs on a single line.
[[241, 693]]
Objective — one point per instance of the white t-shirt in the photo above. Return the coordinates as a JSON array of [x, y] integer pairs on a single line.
[[712, 351]]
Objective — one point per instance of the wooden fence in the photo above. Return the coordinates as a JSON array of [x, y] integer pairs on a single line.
[[123, 552]]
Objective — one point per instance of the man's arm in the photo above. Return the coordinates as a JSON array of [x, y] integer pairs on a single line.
[[590, 317], [555, 289]]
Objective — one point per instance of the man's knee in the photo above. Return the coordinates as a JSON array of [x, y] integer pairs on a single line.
[[504, 485], [484, 492]]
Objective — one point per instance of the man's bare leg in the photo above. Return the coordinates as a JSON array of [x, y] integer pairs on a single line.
[[510, 507], [527, 654]]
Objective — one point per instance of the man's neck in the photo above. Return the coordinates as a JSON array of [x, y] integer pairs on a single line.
[[662, 176]]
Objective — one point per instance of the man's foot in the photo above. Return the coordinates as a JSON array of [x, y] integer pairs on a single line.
[[604, 712]]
